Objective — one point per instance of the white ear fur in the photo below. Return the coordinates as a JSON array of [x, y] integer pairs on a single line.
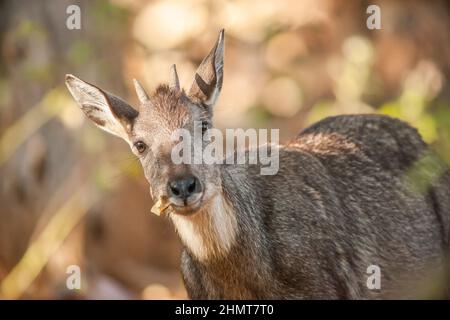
[[209, 75], [107, 111]]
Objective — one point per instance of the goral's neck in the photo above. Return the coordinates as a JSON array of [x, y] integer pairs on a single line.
[[211, 232]]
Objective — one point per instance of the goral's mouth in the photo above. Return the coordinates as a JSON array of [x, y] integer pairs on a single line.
[[187, 207]]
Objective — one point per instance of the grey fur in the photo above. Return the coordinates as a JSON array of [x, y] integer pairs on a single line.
[[336, 206]]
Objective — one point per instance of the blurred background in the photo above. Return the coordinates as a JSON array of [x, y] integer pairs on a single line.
[[72, 195]]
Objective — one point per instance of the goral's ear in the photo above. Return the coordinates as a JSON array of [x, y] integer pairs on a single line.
[[209, 75], [107, 111]]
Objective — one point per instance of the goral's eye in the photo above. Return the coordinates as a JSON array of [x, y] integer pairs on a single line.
[[205, 126], [140, 146]]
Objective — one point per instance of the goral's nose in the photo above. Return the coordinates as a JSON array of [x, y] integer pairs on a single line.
[[184, 187]]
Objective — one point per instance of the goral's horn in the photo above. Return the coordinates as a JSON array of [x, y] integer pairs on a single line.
[[142, 95], [174, 81]]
